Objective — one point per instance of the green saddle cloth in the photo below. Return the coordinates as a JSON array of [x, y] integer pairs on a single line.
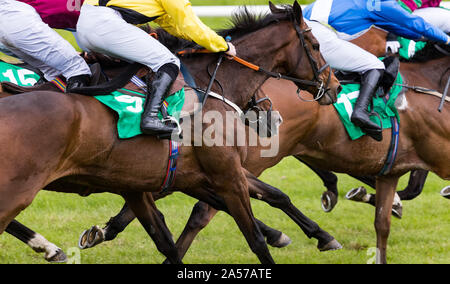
[[346, 100], [130, 107], [17, 75]]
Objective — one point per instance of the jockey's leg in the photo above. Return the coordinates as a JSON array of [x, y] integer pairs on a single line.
[[115, 37], [346, 56], [438, 17], [24, 34]]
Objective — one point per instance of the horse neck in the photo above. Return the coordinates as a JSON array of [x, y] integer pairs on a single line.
[[240, 83]]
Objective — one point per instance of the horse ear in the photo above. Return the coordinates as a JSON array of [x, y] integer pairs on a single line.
[[298, 12], [273, 8]]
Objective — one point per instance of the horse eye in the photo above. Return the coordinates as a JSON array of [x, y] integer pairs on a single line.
[[316, 46]]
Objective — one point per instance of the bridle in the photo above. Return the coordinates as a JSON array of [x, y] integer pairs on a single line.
[[322, 87]]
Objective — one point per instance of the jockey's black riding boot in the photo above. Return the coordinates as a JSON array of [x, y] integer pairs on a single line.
[[157, 90], [360, 117], [77, 82]]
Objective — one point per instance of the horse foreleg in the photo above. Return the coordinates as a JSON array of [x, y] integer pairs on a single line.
[[330, 196], [276, 198], [385, 187], [145, 210], [415, 185], [414, 188], [201, 215]]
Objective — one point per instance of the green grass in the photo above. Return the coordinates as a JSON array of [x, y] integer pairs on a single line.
[[420, 237]]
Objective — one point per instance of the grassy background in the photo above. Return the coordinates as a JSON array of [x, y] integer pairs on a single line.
[[421, 237]]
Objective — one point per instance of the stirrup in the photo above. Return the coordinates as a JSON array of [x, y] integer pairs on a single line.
[[170, 119], [173, 120]]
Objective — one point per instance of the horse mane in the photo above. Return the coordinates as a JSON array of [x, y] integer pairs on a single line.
[[242, 22], [429, 52]]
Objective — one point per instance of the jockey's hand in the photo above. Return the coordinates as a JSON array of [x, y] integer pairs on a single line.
[[393, 46], [231, 52]]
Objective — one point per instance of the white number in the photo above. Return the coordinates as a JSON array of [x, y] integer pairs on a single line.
[[22, 73], [138, 102], [27, 82], [10, 75]]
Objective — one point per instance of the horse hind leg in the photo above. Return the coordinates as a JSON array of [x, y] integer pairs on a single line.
[[37, 242], [276, 198]]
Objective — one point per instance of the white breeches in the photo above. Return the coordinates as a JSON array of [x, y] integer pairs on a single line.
[[436, 16], [341, 54], [103, 30], [24, 34]]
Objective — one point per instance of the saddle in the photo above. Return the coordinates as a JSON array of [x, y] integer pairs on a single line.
[[97, 78]]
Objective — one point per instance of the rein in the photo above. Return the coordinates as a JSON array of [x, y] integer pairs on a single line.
[[319, 84], [257, 68]]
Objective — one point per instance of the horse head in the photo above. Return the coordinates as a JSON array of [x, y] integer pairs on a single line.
[[305, 59]]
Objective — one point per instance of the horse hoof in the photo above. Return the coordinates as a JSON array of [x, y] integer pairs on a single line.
[[397, 211], [90, 238], [332, 245], [95, 236], [445, 192], [58, 257], [397, 207], [329, 200], [282, 241], [82, 241], [357, 194]]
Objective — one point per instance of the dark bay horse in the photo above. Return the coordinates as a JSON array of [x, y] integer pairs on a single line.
[[374, 41], [431, 78], [79, 155], [323, 143]]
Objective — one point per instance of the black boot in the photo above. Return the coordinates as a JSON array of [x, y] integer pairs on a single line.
[[77, 82], [360, 117], [157, 90]]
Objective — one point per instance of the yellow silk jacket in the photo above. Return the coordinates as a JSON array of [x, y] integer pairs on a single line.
[[175, 16]]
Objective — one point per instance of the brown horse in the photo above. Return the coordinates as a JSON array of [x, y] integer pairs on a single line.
[[79, 155], [203, 213], [323, 143]]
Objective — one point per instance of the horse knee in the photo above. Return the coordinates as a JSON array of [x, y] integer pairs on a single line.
[[200, 216], [382, 226], [279, 200]]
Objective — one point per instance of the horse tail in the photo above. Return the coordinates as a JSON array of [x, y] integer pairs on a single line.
[[108, 87]]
